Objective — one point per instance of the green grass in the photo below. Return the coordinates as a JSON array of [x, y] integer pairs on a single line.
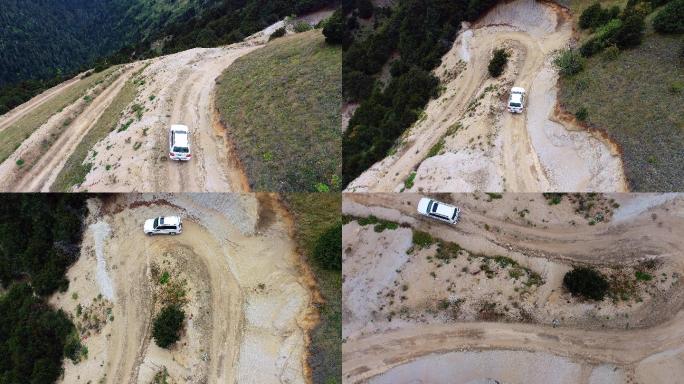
[[422, 239], [75, 170], [313, 214], [631, 98], [12, 137], [281, 105], [379, 225]]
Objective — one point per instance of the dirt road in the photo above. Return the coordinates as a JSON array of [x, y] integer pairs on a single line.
[[193, 106], [17, 113], [244, 293], [484, 147], [45, 170], [419, 349]]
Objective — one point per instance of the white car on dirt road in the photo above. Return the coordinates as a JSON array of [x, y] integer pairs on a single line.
[[163, 225], [516, 102], [438, 210], [179, 143]]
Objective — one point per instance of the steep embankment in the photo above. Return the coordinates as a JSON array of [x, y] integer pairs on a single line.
[[467, 141]]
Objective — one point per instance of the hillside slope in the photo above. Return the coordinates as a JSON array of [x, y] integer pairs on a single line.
[[281, 106], [109, 131], [636, 97]]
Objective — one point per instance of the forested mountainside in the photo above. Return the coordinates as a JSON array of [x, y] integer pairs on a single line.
[[418, 33], [45, 42], [41, 38]]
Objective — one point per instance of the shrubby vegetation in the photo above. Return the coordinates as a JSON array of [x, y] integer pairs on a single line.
[[586, 282], [569, 62], [167, 326], [33, 337], [612, 28], [328, 250], [670, 19], [420, 32], [595, 16], [40, 237], [313, 215], [498, 62]]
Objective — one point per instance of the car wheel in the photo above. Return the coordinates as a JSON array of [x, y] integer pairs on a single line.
[[173, 233]]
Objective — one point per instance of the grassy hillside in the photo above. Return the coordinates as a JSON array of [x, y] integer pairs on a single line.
[[637, 97], [14, 135], [76, 168], [281, 105], [314, 214]]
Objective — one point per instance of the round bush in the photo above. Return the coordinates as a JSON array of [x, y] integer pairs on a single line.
[[280, 32], [328, 249], [569, 62], [670, 19], [498, 62], [586, 282], [167, 326]]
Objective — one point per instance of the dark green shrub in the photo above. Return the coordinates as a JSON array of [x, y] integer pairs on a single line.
[[589, 16], [630, 33], [422, 239], [569, 62], [586, 282], [356, 85], [582, 114], [595, 16], [33, 337], [335, 29], [365, 8], [167, 326], [328, 250], [670, 19], [280, 32], [302, 26], [498, 62]]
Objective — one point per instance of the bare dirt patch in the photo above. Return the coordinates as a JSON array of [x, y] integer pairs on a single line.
[[242, 293], [494, 283]]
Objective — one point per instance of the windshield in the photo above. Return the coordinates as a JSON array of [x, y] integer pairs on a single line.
[[156, 223], [515, 105], [181, 149]]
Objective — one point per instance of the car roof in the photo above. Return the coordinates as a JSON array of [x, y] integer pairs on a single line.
[[179, 127], [173, 220], [180, 139], [445, 209], [516, 97]]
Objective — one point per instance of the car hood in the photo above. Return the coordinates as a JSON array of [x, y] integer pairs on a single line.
[[149, 225], [423, 205]]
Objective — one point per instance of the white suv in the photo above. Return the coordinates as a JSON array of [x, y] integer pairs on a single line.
[[438, 210], [179, 143], [163, 225], [516, 102]]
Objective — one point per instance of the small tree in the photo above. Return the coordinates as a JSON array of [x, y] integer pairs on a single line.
[[365, 8], [670, 19], [167, 326], [586, 282], [335, 30], [569, 62], [328, 249], [280, 32], [631, 32], [498, 62]]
